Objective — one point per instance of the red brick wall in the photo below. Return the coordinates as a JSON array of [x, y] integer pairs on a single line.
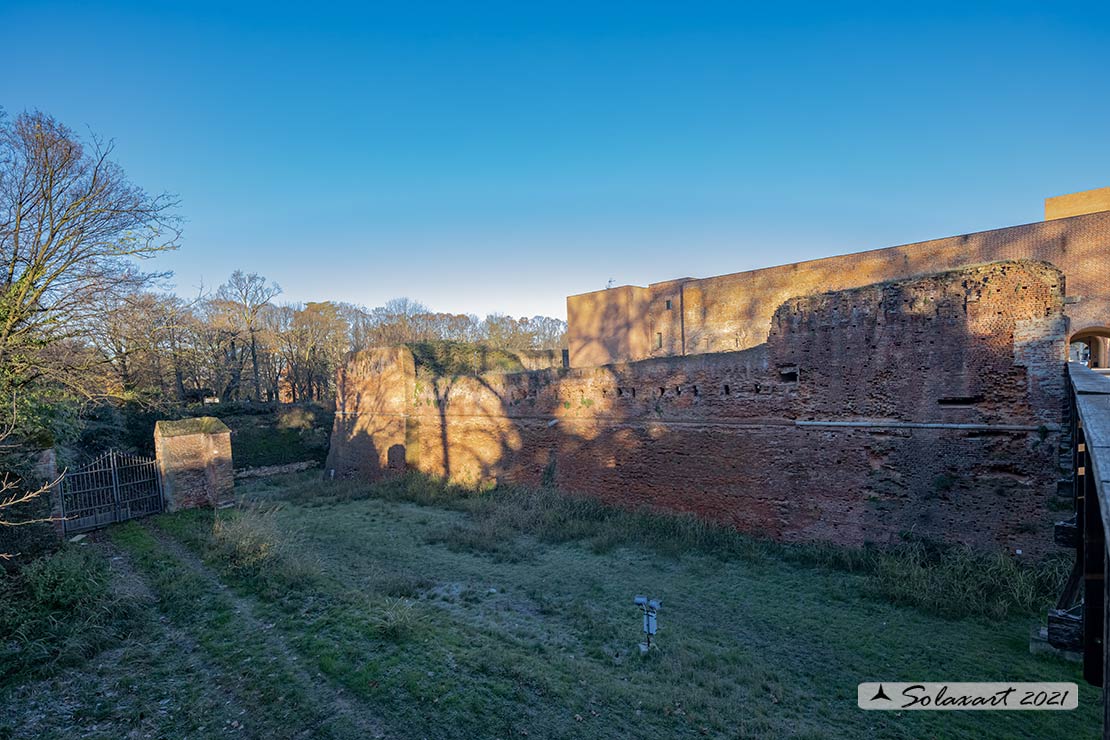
[[730, 312], [196, 469], [373, 395], [749, 438]]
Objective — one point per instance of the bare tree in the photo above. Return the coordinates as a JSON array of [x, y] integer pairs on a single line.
[[245, 295], [71, 225], [69, 222], [14, 495]]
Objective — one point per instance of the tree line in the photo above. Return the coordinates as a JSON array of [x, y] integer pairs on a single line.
[[78, 316], [241, 343]]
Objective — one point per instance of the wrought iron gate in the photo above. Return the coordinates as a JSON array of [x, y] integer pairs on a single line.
[[112, 488]]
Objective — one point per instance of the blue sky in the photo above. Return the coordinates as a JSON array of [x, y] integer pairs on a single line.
[[488, 156]]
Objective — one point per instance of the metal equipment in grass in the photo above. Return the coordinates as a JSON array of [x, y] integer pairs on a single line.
[[112, 488], [650, 609]]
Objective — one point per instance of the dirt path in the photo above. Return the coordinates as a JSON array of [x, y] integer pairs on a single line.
[[127, 581], [72, 702], [320, 690]]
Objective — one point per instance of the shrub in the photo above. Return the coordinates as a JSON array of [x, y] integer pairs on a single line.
[[66, 580], [296, 417]]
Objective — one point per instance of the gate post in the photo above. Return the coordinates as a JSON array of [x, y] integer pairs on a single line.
[[194, 462], [115, 485]]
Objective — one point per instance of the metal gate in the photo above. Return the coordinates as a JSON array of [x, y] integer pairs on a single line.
[[114, 487]]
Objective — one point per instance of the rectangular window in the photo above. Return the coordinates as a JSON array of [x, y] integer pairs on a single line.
[[668, 304], [659, 340]]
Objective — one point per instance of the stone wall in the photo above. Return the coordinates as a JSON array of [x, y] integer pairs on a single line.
[[733, 312], [930, 406], [194, 461]]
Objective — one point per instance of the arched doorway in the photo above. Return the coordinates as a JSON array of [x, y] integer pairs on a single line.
[[1090, 346]]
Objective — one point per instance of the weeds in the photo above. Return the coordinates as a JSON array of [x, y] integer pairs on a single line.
[[941, 579], [957, 581], [254, 547], [396, 619], [58, 610], [444, 358]]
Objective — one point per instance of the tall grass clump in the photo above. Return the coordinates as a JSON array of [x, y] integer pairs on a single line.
[[552, 516], [250, 544], [395, 619], [957, 581], [58, 610], [947, 580]]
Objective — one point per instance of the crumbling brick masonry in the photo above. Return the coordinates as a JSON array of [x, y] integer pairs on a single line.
[[931, 405]]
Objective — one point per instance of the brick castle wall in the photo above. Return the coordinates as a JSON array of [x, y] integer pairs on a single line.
[[733, 312], [930, 405]]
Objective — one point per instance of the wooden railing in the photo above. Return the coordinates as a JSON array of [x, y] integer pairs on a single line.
[[1080, 620]]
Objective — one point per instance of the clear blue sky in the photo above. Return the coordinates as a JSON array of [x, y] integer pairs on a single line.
[[483, 156]]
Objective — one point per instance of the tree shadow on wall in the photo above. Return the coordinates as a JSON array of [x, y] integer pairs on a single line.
[[370, 445], [725, 436], [621, 331]]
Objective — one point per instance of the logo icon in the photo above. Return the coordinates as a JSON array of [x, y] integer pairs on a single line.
[[880, 694]]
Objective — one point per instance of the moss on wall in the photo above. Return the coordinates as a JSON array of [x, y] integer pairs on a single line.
[[196, 425], [445, 358]]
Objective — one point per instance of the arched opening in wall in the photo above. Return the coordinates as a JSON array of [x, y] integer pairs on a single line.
[[1080, 352], [1091, 347]]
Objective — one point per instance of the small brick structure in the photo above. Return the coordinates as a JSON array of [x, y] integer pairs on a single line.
[[194, 460]]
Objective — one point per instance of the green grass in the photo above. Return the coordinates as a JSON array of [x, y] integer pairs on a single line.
[[945, 580], [509, 614], [58, 611], [526, 623], [152, 682], [265, 681]]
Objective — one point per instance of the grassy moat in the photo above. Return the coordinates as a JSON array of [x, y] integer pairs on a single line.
[[408, 610]]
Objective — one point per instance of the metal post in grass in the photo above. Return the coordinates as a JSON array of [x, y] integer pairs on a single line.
[[650, 609]]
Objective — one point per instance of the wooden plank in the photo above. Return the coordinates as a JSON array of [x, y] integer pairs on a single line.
[[1094, 587], [1065, 631], [1094, 410]]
